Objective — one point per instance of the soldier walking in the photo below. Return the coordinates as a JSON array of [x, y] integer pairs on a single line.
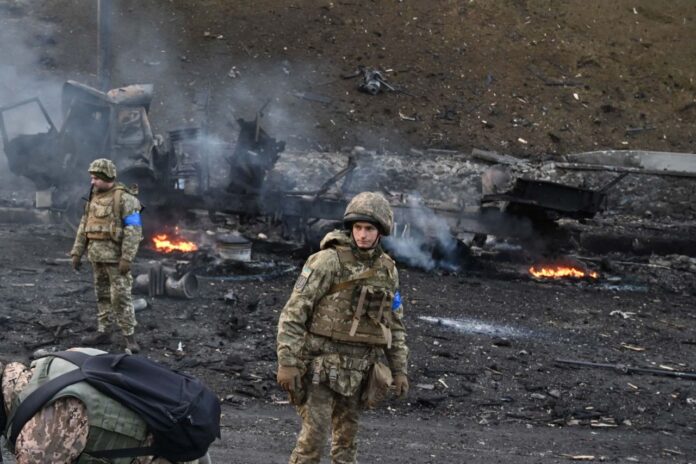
[[110, 231], [344, 313]]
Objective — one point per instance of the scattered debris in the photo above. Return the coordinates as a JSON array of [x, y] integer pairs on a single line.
[[495, 158], [310, 96], [210, 35], [234, 73], [403, 117], [230, 297], [373, 81], [666, 371], [579, 457], [161, 280], [233, 246], [623, 314], [563, 82], [425, 386], [139, 304], [632, 347]]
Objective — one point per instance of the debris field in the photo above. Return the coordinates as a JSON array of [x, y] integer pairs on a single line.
[[510, 361]]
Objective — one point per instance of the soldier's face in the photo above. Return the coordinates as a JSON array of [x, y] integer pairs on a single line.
[[365, 235], [100, 184]]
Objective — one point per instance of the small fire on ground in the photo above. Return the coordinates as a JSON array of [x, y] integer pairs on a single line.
[[167, 244], [561, 271]]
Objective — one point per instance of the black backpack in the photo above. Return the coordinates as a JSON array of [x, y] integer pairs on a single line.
[[181, 413]]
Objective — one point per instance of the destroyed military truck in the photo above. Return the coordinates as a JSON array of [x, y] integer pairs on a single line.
[[172, 175], [114, 124]]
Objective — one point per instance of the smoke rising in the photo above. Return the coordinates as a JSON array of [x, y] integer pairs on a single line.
[[27, 62], [423, 239]]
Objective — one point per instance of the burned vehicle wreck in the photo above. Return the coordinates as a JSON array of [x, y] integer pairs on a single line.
[[171, 174], [439, 217], [114, 124]]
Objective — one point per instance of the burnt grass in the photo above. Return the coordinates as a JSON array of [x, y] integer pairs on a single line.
[[499, 372]]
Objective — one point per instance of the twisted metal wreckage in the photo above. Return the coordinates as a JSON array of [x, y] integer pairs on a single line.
[[173, 174]]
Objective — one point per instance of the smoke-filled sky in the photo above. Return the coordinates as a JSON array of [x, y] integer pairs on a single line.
[[26, 72]]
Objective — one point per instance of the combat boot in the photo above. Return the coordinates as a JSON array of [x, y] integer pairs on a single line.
[[131, 344], [97, 338]]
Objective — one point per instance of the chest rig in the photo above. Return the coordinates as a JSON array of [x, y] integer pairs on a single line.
[[104, 215], [357, 309]]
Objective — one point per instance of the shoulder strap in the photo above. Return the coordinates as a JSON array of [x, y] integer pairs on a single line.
[[344, 253], [387, 261], [78, 358], [117, 204]]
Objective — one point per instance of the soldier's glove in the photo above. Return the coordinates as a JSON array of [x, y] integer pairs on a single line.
[[289, 378], [124, 266], [400, 385], [76, 262]]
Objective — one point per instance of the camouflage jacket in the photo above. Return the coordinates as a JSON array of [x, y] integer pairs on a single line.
[[57, 433], [320, 273], [110, 250]]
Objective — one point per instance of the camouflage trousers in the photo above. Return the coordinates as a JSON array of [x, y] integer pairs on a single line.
[[114, 300], [324, 409]]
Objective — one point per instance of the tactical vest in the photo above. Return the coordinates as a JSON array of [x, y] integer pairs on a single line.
[[104, 215], [358, 308], [111, 425]]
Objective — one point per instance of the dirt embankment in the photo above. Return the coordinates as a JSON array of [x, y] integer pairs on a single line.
[[524, 77]]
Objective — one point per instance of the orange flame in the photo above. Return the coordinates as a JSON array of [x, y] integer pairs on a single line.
[[167, 244], [560, 272]]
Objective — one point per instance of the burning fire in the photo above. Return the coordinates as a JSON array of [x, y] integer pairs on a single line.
[[553, 271], [167, 244]]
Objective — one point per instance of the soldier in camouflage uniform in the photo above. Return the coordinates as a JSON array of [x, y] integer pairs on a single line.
[[110, 231], [344, 313], [60, 432]]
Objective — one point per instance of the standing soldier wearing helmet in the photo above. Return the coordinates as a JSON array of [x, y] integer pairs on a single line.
[[110, 231], [344, 313]]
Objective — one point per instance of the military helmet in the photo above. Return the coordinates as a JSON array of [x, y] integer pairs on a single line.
[[103, 168], [370, 207]]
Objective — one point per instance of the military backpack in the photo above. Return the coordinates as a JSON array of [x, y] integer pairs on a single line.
[[181, 413]]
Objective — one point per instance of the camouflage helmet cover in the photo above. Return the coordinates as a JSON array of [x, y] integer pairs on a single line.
[[103, 168], [370, 207]]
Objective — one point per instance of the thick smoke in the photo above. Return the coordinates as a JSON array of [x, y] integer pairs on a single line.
[[423, 239], [26, 64]]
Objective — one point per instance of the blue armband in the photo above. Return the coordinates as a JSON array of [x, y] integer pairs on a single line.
[[133, 220], [396, 302]]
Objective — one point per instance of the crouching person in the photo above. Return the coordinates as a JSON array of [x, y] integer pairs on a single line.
[[74, 425]]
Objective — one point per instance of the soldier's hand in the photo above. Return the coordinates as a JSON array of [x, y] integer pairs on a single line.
[[124, 266], [400, 385], [289, 378], [76, 262]]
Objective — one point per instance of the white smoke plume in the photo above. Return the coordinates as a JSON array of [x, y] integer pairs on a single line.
[[423, 239]]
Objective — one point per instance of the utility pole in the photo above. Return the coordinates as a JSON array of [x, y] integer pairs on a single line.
[[104, 44]]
